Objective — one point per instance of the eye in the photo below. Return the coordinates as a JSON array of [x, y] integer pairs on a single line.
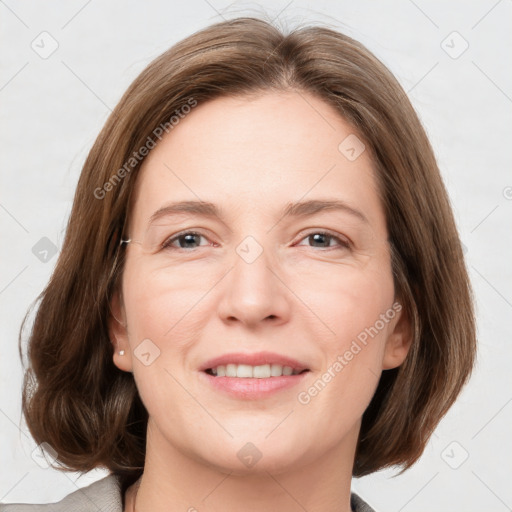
[[324, 239], [190, 240], [186, 241]]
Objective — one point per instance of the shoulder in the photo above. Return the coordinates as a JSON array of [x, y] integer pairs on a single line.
[[358, 505], [104, 495]]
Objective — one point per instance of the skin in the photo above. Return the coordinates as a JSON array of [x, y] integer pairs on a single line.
[[301, 297]]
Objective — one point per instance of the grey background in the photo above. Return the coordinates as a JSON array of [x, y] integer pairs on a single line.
[[52, 108]]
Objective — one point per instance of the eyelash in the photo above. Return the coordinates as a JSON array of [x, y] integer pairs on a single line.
[[344, 244]]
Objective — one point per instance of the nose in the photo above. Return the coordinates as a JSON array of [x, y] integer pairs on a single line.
[[254, 292]]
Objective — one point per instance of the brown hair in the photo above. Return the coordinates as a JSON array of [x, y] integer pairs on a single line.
[[89, 411]]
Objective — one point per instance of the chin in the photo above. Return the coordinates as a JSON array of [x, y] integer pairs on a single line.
[[252, 455]]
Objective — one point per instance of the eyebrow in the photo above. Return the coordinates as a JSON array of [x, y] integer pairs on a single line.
[[298, 209]]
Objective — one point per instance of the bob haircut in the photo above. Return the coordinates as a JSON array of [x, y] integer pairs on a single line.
[[74, 397]]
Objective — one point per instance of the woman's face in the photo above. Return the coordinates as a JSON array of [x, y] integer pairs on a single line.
[[276, 270]]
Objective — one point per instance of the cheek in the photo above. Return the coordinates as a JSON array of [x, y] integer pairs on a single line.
[[164, 319], [348, 302], [355, 313], [159, 302]]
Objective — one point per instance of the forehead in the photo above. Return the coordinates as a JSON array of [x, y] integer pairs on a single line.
[[259, 153]]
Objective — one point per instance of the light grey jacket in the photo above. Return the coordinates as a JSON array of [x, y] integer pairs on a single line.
[[105, 496]]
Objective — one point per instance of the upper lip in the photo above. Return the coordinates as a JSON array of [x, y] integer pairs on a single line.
[[255, 359]]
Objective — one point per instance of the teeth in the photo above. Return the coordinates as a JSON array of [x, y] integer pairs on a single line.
[[263, 371], [242, 370], [259, 372]]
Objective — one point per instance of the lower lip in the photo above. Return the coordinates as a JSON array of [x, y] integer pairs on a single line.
[[251, 388]]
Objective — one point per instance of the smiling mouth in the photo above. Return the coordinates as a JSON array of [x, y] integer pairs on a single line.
[[245, 371]]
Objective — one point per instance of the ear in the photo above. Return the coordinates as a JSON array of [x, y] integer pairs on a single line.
[[399, 341], [118, 333]]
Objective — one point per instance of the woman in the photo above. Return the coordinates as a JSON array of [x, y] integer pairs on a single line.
[[261, 293]]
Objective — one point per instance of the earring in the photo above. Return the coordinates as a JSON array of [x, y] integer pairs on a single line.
[[121, 352]]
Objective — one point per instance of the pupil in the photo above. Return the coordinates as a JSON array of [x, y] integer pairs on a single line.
[[189, 239], [320, 238]]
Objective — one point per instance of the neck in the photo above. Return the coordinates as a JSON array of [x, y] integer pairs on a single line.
[[174, 480]]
